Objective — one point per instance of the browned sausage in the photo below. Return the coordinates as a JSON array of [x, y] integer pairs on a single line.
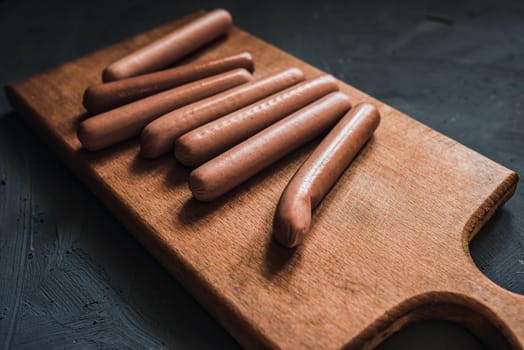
[[211, 139], [320, 171], [231, 168], [103, 97], [121, 123], [159, 136], [171, 47]]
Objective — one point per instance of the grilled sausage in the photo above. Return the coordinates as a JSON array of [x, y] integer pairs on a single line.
[[209, 140], [159, 136], [103, 97], [320, 171], [108, 128], [171, 47], [231, 168]]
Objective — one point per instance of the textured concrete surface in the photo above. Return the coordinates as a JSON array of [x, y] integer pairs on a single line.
[[71, 276]]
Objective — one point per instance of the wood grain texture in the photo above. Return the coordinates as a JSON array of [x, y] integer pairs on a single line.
[[388, 246]]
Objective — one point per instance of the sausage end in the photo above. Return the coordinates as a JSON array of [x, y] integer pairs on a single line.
[[87, 137], [297, 72], [292, 221], [89, 100], [249, 62], [184, 153], [225, 14], [111, 73], [149, 139], [375, 114], [199, 186], [244, 75]]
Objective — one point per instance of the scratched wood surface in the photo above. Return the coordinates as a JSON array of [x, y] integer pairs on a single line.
[[389, 244]]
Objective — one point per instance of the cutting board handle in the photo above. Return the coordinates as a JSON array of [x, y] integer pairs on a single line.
[[499, 324]]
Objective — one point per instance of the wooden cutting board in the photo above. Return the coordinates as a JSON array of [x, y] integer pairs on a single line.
[[388, 246]]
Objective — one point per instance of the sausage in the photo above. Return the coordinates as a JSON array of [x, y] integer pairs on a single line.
[[209, 140], [108, 128], [171, 47], [158, 137], [103, 97], [236, 165], [320, 171]]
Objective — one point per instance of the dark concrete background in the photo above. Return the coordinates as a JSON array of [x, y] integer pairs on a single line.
[[70, 274]]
